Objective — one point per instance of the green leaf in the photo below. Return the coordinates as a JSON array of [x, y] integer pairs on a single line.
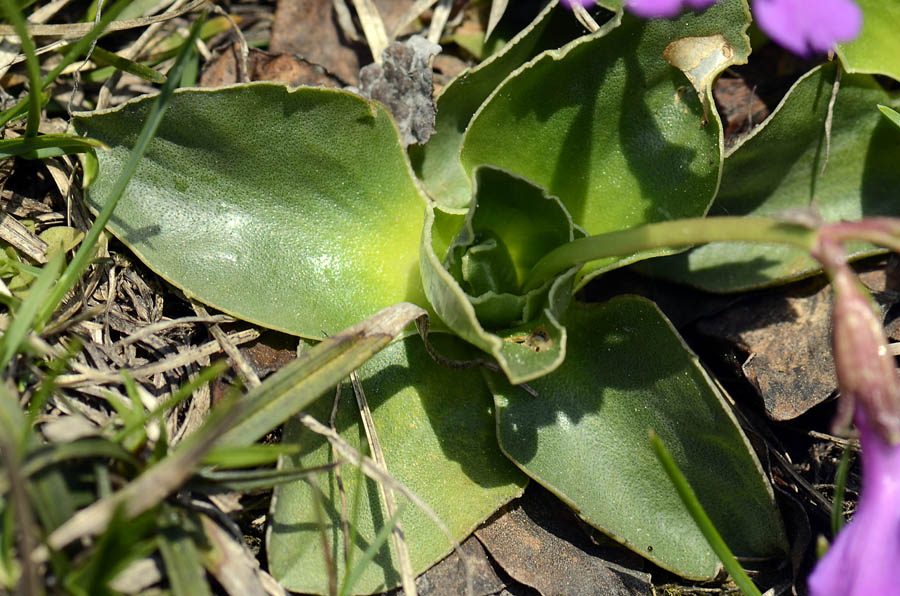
[[317, 370], [476, 288], [437, 431], [24, 317], [890, 114], [256, 191], [61, 239], [47, 145], [243, 456], [103, 57], [584, 437], [689, 498], [437, 162], [611, 128], [184, 567], [778, 170], [120, 545], [877, 49]]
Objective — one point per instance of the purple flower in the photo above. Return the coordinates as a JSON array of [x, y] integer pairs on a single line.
[[664, 9], [808, 27], [805, 27], [863, 558], [573, 3]]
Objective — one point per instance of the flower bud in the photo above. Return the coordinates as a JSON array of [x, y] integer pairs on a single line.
[[863, 558], [866, 371]]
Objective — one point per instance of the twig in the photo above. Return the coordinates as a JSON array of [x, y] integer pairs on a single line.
[[92, 377], [371, 469], [163, 325], [76, 30], [373, 27], [407, 577], [439, 20], [828, 119], [237, 359]]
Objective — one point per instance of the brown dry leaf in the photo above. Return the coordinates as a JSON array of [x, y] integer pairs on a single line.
[[700, 59], [448, 578], [263, 66], [310, 29], [740, 106], [787, 337], [553, 566]]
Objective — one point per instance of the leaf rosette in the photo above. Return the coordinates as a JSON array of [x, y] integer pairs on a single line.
[[475, 281]]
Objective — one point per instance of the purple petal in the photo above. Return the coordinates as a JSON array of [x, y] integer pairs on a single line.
[[808, 27], [572, 3], [700, 4], [864, 557], [664, 9]]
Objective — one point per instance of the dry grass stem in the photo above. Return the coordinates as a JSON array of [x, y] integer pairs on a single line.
[[407, 577], [373, 471]]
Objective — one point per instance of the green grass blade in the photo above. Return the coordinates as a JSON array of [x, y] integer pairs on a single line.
[[106, 58], [734, 569], [204, 376], [123, 543], [80, 262], [380, 538], [840, 483], [24, 318], [227, 457], [33, 67], [184, 568], [319, 369], [76, 51], [243, 481], [53, 454], [12, 419], [49, 145], [890, 114]]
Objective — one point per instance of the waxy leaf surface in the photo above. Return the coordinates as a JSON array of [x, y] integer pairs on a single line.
[[778, 170], [877, 49], [437, 162], [628, 372], [437, 431], [293, 209], [610, 127]]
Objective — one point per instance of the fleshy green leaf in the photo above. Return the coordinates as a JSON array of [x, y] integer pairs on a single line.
[[778, 170], [610, 127], [584, 437], [476, 288], [437, 431], [877, 49], [263, 201], [890, 114], [437, 162]]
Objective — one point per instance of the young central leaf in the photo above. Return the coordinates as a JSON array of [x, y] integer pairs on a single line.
[[487, 266], [476, 287]]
